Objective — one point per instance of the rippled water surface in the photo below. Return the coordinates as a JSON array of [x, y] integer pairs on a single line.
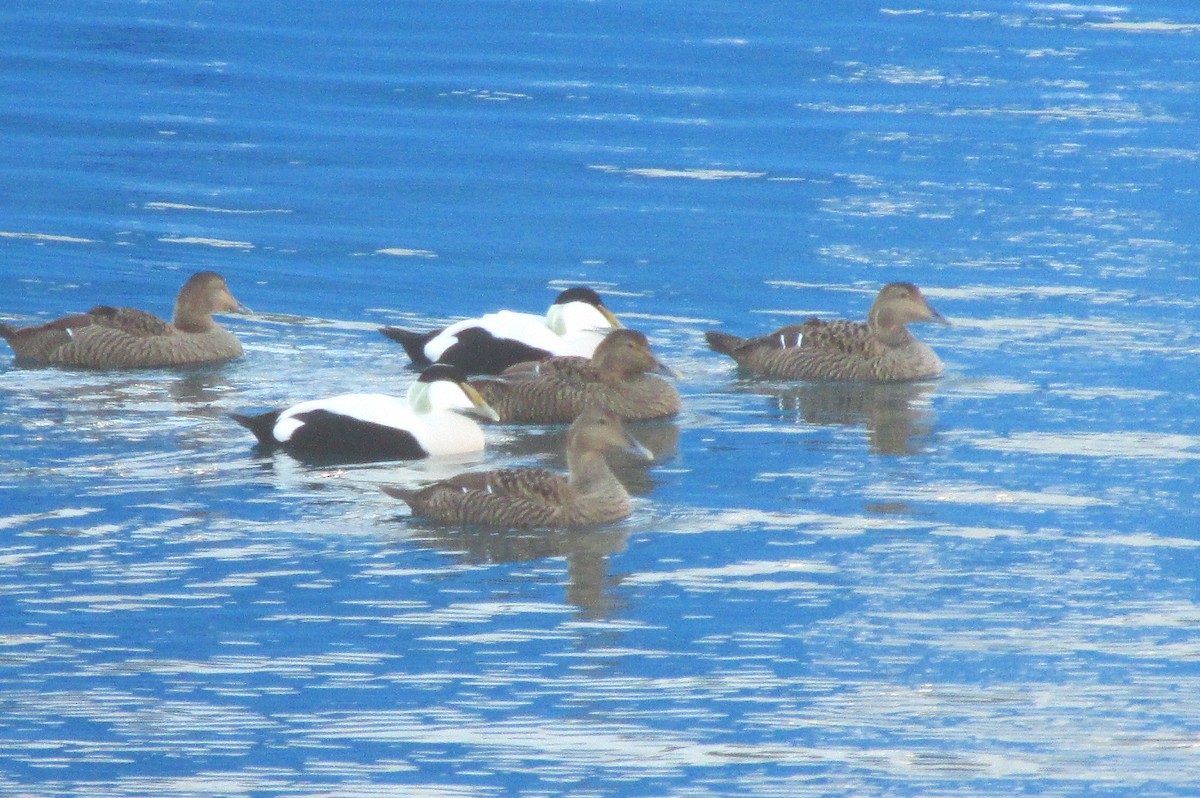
[[984, 585]]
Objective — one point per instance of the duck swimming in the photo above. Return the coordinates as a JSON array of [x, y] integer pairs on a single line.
[[618, 377], [429, 422], [574, 325], [122, 338], [537, 497], [880, 350]]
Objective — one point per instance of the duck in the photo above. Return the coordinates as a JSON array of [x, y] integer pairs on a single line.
[[574, 325], [880, 350], [430, 422], [620, 376], [109, 337], [589, 494]]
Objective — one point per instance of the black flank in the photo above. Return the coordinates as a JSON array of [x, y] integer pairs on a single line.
[[480, 352], [329, 434]]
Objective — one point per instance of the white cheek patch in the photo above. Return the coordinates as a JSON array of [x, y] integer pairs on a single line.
[[445, 395]]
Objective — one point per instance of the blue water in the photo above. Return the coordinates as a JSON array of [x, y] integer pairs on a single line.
[[984, 585]]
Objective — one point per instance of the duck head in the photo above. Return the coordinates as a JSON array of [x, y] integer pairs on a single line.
[[441, 387], [580, 309]]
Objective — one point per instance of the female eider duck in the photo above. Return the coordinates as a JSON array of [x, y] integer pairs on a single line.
[[554, 391], [123, 338], [537, 497], [881, 350], [574, 325], [430, 422]]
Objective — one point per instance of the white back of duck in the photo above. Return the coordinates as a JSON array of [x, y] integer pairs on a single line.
[[373, 408], [503, 324]]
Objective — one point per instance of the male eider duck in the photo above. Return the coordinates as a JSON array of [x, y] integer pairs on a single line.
[[537, 497], [881, 350], [123, 338], [430, 422], [554, 391], [574, 325]]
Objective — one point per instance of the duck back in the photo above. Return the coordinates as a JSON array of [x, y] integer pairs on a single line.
[[97, 346], [557, 390], [109, 337], [830, 350], [520, 498]]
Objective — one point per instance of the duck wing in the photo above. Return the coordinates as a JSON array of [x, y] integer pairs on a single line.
[[551, 391], [565, 368], [130, 321], [844, 336], [539, 485], [850, 337], [99, 337]]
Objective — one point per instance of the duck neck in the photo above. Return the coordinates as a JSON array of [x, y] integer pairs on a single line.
[[590, 474], [614, 376], [613, 372], [886, 327], [190, 318]]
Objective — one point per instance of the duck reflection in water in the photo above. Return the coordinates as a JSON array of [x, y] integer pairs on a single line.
[[200, 390], [589, 585], [584, 544], [897, 416]]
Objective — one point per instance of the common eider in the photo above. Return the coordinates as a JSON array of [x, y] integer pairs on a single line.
[[574, 325], [881, 350], [122, 338], [429, 422], [537, 497], [620, 376]]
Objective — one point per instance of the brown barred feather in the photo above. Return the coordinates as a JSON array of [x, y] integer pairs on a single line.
[[536, 497], [557, 390], [880, 350], [115, 337]]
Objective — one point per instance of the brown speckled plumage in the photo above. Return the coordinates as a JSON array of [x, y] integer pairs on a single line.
[[113, 338], [556, 390], [880, 350], [536, 497]]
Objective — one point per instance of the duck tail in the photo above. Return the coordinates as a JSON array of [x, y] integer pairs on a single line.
[[723, 342], [262, 425], [7, 331], [413, 343], [403, 494]]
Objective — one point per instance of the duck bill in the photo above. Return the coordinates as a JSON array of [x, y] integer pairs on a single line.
[[636, 449], [938, 317], [230, 304], [610, 317], [665, 370], [479, 406]]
